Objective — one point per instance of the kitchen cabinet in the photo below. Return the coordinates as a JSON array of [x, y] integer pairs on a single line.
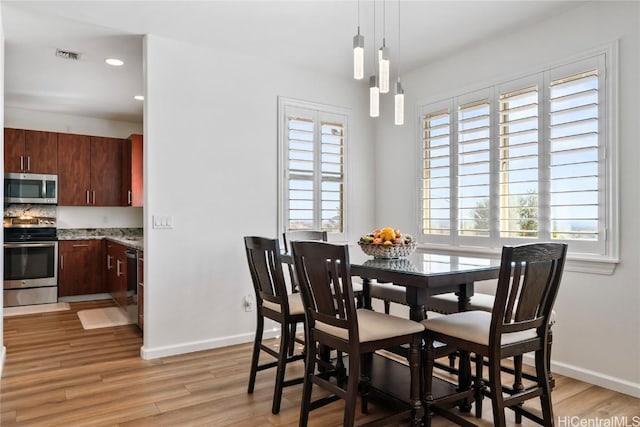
[[90, 170], [117, 272], [141, 289], [30, 151], [132, 181], [80, 269]]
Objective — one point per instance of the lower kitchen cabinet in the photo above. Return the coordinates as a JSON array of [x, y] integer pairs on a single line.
[[80, 267], [141, 289], [117, 272]]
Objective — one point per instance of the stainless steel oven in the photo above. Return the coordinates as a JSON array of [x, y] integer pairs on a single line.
[[30, 261]]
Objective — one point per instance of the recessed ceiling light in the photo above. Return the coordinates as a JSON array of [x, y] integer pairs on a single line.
[[115, 62], [139, 98]]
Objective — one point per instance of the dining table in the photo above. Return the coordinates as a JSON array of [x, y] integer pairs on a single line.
[[423, 273]]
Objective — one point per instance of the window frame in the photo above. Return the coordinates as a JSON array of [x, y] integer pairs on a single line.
[[602, 261], [287, 104]]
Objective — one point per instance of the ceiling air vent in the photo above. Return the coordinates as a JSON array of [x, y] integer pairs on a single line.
[[67, 54]]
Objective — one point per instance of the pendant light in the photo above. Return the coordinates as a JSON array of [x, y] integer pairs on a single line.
[[358, 52], [374, 91], [374, 97], [399, 96], [383, 55]]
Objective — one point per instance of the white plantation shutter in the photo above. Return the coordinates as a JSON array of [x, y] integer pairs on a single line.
[[524, 160], [519, 153], [474, 168], [312, 166], [574, 159], [436, 179]]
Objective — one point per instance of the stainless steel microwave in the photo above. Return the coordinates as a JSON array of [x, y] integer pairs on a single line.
[[30, 188]]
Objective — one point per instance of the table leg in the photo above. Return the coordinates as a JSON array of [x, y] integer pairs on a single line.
[[366, 293]]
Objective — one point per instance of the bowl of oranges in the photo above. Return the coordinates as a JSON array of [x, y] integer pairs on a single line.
[[387, 243]]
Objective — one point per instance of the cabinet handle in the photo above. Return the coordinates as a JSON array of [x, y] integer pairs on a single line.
[[94, 197], [21, 163], [61, 262], [118, 263], [109, 262], [87, 196], [80, 246], [129, 197], [28, 163]]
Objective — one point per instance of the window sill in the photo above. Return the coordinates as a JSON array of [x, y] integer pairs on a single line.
[[574, 263]]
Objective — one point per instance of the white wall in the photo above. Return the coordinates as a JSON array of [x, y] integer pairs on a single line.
[[71, 216], [3, 350], [597, 337], [211, 128]]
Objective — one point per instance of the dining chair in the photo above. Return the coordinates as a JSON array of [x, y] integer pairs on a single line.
[[272, 302], [333, 321], [321, 236], [528, 283]]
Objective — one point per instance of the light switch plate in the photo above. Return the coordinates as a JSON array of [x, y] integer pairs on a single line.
[[163, 221]]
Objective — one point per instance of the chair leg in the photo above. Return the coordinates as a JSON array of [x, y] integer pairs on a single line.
[[478, 385], [427, 363], [542, 374], [497, 402], [292, 339], [255, 357], [309, 369], [352, 391], [552, 381], [517, 381], [417, 411], [282, 365], [464, 378], [387, 306]]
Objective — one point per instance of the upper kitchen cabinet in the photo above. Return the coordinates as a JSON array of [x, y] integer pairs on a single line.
[[30, 151], [90, 170], [132, 181]]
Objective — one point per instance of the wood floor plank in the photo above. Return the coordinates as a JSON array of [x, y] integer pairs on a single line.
[[57, 373]]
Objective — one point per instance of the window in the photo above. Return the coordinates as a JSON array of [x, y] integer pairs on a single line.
[[312, 166], [524, 160]]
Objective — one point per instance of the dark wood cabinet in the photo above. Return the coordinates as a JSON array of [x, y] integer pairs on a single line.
[[141, 289], [74, 177], [132, 181], [106, 171], [90, 170], [80, 268], [30, 151], [116, 269]]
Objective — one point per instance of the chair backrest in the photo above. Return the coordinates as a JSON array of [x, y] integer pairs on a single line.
[[265, 265], [529, 279], [290, 236], [325, 283]]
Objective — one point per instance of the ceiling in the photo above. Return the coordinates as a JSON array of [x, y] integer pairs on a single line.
[[314, 34]]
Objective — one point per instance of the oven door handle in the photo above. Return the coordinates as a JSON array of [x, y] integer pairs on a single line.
[[30, 245]]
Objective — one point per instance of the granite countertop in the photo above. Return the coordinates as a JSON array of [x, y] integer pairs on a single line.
[[131, 237]]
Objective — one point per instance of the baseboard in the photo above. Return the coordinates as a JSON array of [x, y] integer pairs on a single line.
[[189, 347], [3, 353], [80, 298], [592, 377]]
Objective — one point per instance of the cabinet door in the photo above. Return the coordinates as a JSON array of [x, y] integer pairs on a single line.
[[106, 171], [117, 273], [14, 150], [41, 152], [141, 289], [132, 182], [74, 170], [80, 271]]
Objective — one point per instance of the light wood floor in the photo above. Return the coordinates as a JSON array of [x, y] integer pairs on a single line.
[[56, 373]]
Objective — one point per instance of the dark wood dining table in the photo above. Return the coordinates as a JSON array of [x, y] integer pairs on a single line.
[[423, 274]]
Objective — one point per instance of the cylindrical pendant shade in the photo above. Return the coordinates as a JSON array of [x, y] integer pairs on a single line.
[[374, 97]]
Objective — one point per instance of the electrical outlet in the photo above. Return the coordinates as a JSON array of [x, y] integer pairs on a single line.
[[249, 303]]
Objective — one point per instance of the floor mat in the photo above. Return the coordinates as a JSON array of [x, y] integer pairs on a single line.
[[107, 317], [34, 309]]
